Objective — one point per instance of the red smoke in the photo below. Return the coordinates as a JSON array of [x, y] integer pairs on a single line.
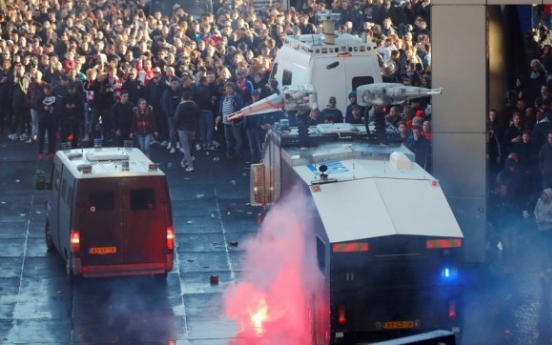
[[280, 275]]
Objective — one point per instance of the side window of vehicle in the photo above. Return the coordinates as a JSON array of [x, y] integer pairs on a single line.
[[357, 81], [321, 254], [287, 77], [101, 201], [142, 199]]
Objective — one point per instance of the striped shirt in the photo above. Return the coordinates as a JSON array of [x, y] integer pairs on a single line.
[[227, 108]]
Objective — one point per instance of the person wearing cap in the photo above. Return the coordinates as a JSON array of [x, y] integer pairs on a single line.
[[71, 115], [331, 110], [349, 111]]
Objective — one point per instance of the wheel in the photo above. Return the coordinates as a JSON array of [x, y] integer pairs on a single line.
[[69, 275], [48, 237]]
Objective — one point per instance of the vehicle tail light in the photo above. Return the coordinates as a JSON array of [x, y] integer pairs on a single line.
[[74, 238], [341, 315], [170, 238], [452, 310]]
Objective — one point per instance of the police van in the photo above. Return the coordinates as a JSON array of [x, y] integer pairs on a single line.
[[109, 214], [388, 246], [334, 63]]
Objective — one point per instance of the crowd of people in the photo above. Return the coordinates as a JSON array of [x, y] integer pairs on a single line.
[[519, 155], [77, 70]]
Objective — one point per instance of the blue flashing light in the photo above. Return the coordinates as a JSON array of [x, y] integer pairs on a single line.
[[449, 273]]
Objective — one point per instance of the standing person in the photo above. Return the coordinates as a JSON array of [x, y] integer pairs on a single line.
[[332, 111], [255, 132], [34, 91], [20, 106], [134, 86], [122, 115], [71, 111], [543, 217], [204, 100], [230, 103], [185, 121], [419, 146], [45, 106], [545, 162], [91, 91], [154, 94], [171, 99], [143, 126]]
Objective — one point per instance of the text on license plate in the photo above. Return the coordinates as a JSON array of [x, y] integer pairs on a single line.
[[102, 250], [399, 325]]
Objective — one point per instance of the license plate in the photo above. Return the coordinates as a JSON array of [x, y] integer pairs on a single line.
[[399, 325], [102, 250]]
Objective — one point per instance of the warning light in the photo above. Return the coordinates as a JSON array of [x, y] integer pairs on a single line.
[[341, 315], [316, 188], [449, 273], [435, 183], [452, 310]]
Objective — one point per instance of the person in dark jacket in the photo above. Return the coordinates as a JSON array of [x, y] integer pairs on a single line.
[[419, 146], [20, 105], [45, 106], [545, 162], [71, 111], [154, 95], [185, 121], [134, 86], [527, 151], [171, 98], [6, 85], [255, 133], [121, 116], [233, 129], [143, 126], [204, 100], [349, 118]]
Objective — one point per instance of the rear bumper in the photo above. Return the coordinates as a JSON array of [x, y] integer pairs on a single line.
[[119, 270]]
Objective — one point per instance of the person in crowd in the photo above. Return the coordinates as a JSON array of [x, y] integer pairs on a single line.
[[45, 106], [394, 117], [185, 121], [545, 162], [349, 111], [20, 127], [122, 114], [71, 114], [35, 90], [204, 98], [233, 129], [331, 111], [419, 146], [143, 126], [255, 133], [154, 95], [543, 218], [171, 98], [494, 144]]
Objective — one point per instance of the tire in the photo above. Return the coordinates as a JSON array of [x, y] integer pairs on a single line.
[[48, 237], [69, 275]]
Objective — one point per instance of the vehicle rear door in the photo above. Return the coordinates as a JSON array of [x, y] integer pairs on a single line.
[[144, 216], [100, 222]]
